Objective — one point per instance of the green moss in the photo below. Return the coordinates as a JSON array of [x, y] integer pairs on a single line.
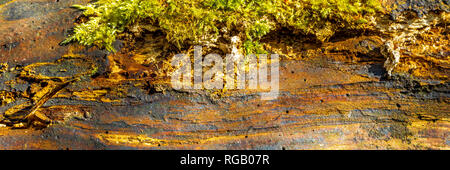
[[188, 22], [253, 47], [107, 18]]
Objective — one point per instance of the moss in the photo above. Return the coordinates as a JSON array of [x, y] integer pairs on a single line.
[[253, 47], [107, 18], [188, 22]]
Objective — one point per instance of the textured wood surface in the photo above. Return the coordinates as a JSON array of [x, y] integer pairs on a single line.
[[332, 95]]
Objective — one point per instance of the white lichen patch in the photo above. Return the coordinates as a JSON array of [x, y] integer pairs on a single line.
[[405, 32], [392, 55]]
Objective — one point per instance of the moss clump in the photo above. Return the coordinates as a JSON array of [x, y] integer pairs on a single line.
[[187, 22], [107, 18]]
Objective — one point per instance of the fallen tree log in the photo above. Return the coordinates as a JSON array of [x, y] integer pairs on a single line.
[[333, 95]]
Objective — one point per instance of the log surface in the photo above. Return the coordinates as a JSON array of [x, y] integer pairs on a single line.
[[331, 98]]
